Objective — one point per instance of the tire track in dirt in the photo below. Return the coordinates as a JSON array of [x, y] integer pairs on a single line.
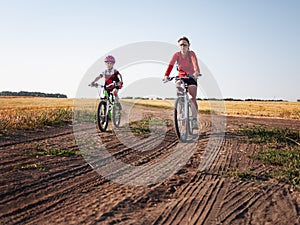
[[23, 138], [130, 155], [42, 202], [123, 156], [71, 192], [211, 199], [194, 201], [136, 158], [135, 155], [26, 193], [45, 185], [244, 198]]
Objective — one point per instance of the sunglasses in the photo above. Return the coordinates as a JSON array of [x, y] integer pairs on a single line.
[[183, 44]]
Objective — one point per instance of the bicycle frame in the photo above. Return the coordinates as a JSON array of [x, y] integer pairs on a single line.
[[107, 108], [110, 101], [184, 121], [184, 95]]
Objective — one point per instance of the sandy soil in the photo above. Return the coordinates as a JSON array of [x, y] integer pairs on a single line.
[[66, 190]]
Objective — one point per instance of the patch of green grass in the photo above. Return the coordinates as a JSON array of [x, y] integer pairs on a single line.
[[140, 126], [245, 175], [280, 149], [144, 126], [279, 136], [31, 166], [280, 157], [286, 162]]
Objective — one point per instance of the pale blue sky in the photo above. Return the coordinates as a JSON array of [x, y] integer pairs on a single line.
[[250, 46]]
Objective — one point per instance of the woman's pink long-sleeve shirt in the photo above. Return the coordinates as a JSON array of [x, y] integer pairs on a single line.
[[186, 65]]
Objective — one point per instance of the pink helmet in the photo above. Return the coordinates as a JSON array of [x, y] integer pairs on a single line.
[[109, 58]]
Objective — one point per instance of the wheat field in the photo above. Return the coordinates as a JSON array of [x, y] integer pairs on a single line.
[[27, 113], [286, 110]]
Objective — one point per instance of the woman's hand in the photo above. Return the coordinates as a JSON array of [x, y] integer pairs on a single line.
[[166, 78], [196, 75]]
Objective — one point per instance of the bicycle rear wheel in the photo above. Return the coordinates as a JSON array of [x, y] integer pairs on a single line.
[[102, 119], [181, 120], [116, 115]]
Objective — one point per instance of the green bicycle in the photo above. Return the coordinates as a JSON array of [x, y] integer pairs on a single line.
[[107, 108]]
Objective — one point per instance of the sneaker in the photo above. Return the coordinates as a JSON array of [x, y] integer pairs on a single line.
[[195, 124]]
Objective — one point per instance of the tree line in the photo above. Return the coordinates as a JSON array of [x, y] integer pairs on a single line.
[[32, 94]]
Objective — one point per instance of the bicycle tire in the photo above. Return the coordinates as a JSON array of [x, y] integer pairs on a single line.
[[102, 118], [181, 120], [116, 115]]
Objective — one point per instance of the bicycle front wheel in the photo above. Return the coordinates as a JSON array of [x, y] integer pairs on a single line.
[[192, 131], [116, 115], [181, 120], [102, 119]]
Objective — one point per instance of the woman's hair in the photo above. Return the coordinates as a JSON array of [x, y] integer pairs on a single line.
[[184, 38]]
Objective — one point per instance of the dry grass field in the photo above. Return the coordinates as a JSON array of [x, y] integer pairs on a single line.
[[34, 103], [287, 110], [29, 112]]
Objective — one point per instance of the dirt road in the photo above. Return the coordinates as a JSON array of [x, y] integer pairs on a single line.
[[48, 189]]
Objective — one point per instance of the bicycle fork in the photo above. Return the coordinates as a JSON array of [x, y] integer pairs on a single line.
[[107, 112], [186, 110]]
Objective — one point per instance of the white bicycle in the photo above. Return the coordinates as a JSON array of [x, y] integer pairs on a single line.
[[182, 110]]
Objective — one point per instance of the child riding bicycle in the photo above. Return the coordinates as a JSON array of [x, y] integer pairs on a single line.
[[111, 75], [187, 65]]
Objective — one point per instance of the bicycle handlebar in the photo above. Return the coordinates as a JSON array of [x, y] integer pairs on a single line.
[[96, 85], [179, 78]]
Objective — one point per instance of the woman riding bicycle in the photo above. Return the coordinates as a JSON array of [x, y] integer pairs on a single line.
[[187, 65], [111, 75]]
